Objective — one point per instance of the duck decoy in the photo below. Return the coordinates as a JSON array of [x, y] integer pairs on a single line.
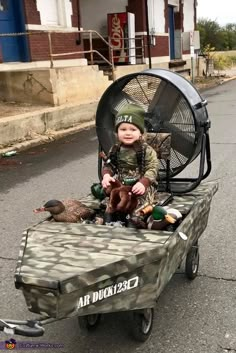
[[162, 217], [69, 211]]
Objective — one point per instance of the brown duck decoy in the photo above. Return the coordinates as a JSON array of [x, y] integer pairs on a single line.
[[69, 211]]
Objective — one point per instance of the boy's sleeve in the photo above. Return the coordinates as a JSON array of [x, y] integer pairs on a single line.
[[151, 167], [107, 168]]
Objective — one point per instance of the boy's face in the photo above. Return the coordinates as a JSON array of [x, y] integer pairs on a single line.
[[128, 133]]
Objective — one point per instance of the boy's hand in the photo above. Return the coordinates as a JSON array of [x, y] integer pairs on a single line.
[[138, 188], [106, 181]]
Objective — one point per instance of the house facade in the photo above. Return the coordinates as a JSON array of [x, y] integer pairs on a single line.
[[161, 24], [36, 18]]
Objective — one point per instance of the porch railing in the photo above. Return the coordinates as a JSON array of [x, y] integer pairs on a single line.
[[89, 35], [91, 50]]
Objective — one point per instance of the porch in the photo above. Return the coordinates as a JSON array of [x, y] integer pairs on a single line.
[[62, 79]]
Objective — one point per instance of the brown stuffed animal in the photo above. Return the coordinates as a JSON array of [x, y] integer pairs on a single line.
[[121, 198]]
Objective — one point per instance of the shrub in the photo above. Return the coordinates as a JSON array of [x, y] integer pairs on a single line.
[[222, 61]]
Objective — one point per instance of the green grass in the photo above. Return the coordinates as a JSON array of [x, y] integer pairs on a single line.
[[222, 62]]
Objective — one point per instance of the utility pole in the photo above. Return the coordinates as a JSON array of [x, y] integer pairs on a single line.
[[148, 35]]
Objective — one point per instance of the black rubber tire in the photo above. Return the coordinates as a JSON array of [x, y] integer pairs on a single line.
[[89, 322], [192, 262], [141, 324]]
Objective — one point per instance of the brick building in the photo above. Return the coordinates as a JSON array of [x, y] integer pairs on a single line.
[[165, 21], [38, 17]]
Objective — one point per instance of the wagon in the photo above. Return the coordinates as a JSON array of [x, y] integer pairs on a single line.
[[86, 270]]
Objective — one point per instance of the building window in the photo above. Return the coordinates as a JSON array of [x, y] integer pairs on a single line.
[[156, 16], [55, 12]]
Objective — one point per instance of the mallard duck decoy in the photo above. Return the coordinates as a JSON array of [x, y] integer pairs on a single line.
[[162, 217], [70, 211]]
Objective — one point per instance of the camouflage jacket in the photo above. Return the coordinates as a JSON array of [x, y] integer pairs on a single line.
[[127, 165]]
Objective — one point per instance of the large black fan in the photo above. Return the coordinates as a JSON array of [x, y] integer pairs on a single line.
[[172, 105]]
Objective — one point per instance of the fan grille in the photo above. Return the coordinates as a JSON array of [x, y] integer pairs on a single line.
[[142, 89]]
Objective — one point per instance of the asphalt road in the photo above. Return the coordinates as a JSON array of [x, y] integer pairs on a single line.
[[197, 316]]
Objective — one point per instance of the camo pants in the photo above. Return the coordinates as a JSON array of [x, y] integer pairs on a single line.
[[149, 198]]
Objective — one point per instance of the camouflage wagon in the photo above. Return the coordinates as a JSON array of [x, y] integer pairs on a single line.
[[86, 269]]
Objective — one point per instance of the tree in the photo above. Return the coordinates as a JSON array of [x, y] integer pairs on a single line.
[[221, 38], [230, 36], [211, 34]]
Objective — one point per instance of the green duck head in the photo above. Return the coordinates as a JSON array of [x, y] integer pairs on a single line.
[[159, 213]]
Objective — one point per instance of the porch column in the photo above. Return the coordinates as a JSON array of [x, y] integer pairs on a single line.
[[139, 8]]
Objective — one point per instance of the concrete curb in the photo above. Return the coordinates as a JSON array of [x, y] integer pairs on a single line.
[[30, 129], [53, 135], [228, 79]]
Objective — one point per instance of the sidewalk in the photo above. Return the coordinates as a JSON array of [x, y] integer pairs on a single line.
[[23, 126]]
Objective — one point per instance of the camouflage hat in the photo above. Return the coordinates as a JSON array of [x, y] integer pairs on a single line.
[[131, 114]]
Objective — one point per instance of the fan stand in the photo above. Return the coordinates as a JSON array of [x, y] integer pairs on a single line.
[[181, 186]]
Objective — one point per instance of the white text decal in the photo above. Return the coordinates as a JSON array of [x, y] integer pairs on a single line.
[[108, 292]]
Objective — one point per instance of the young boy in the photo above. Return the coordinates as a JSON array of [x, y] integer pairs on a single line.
[[131, 160]]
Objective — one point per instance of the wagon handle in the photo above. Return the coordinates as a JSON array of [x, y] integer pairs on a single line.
[[29, 328]]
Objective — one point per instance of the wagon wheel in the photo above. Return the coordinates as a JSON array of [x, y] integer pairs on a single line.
[[141, 324], [192, 262], [89, 322]]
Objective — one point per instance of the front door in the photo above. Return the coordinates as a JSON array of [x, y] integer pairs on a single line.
[[11, 22]]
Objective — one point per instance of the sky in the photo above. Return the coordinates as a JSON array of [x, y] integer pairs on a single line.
[[221, 11]]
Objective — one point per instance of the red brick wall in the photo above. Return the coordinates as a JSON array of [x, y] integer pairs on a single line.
[[178, 19], [138, 8], [181, 8], [186, 52], [161, 48], [162, 42], [75, 18], [100, 46], [61, 42], [39, 47], [32, 15]]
